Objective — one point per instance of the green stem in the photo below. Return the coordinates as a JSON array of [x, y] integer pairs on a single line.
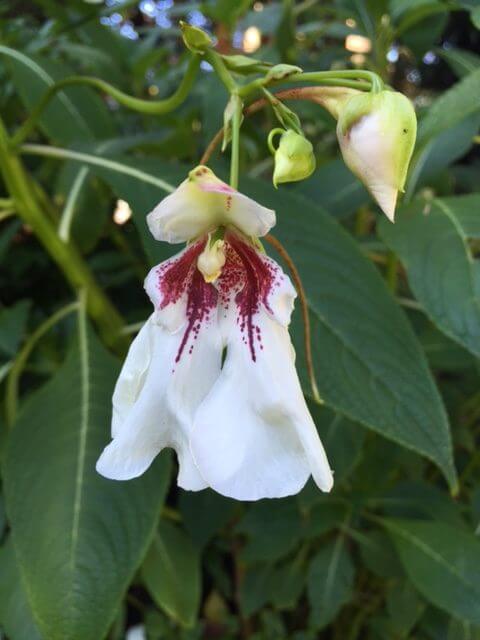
[[11, 392], [88, 158], [221, 70], [361, 80], [152, 107], [317, 76], [66, 255], [235, 157]]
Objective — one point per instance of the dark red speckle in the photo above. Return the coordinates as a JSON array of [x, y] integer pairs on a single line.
[[180, 277]]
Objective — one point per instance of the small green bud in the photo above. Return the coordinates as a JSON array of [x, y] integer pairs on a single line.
[[294, 158], [282, 71], [195, 39], [376, 133]]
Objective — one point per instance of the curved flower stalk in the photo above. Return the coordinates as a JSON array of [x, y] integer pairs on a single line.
[[212, 371]]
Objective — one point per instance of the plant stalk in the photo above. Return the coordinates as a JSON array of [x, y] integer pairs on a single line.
[[66, 255]]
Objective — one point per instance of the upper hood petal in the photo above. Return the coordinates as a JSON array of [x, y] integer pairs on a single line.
[[203, 202]]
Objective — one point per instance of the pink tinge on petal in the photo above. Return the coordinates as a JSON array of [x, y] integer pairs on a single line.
[[207, 181], [248, 279], [180, 277]]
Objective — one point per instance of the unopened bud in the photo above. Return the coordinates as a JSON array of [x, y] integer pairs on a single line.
[[294, 158], [195, 39], [212, 259], [376, 133]]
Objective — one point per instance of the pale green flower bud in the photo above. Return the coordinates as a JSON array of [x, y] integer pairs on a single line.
[[294, 158], [195, 39], [377, 132]]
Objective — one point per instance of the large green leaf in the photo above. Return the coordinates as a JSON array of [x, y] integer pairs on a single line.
[[447, 113], [330, 582], [78, 537], [452, 107], [443, 563], [75, 113], [335, 188], [15, 615], [171, 572], [431, 240], [461, 61], [369, 363]]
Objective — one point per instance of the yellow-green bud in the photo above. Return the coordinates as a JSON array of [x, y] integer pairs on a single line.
[[195, 39], [294, 158], [376, 133]]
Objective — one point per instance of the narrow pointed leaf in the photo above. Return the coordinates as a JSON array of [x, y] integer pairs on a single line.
[[78, 537], [442, 562], [431, 239]]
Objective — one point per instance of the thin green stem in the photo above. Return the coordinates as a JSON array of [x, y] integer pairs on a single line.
[[235, 157], [11, 392], [152, 107], [221, 70], [20, 187], [361, 80], [318, 76], [87, 158]]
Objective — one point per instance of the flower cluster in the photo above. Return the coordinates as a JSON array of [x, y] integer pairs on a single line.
[[212, 372]]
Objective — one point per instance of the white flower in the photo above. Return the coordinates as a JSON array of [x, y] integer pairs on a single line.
[[212, 374]]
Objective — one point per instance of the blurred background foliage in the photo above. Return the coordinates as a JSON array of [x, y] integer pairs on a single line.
[[393, 552]]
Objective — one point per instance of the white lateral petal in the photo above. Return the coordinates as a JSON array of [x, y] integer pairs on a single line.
[[253, 436], [247, 215], [186, 213], [161, 413]]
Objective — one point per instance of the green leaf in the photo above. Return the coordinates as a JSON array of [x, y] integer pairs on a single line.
[[330, 582], [369, 364], [442, 150], [378, 554], [15, 616], [450, 108], [334, 187], [442, 273], [461, 61], [78, 537], [404, 608], [205, 513], [171, 572], [342, 439], [75, 113], [13, 322], [442, 562], [421, 500], [273, 528]]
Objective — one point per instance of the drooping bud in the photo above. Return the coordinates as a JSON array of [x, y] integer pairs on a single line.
[[212, 259], [294, 158], [376, 133], [195, 39]]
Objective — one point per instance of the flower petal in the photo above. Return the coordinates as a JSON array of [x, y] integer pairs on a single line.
[[201, 203], [253, 436], [232, 206], [186, 213], [158, 410]]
